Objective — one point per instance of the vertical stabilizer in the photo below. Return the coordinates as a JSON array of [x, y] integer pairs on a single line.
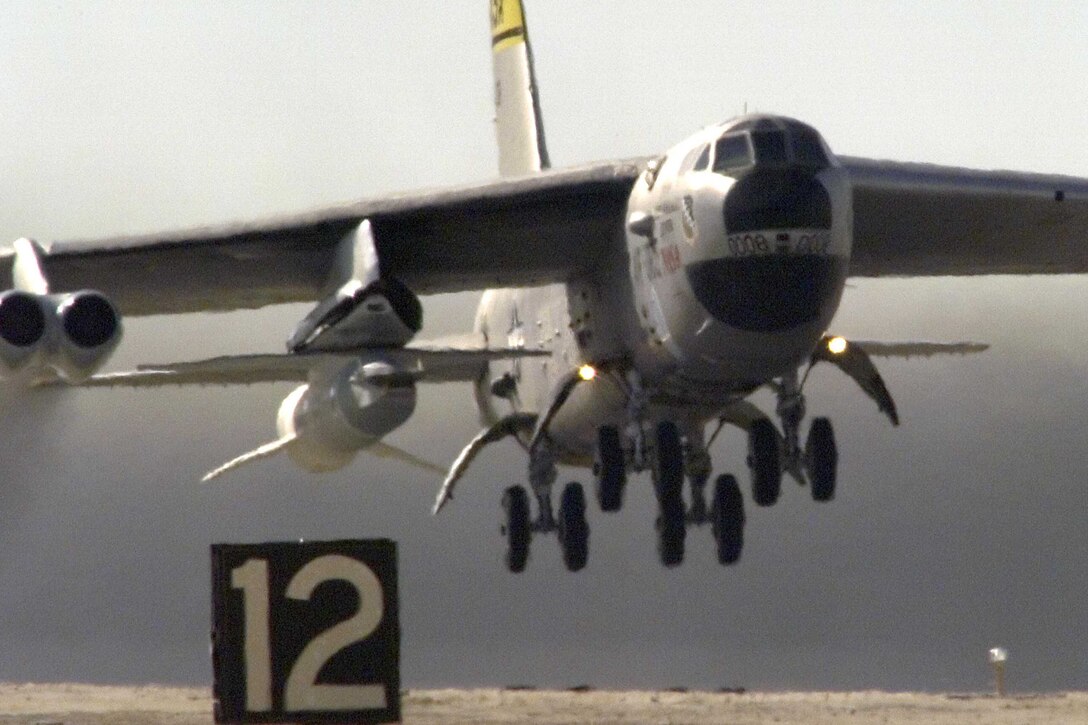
[[518, 123]]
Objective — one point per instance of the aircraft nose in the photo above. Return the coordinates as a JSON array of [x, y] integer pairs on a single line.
[[765, 282]]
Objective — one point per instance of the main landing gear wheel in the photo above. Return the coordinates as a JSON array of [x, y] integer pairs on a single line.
[[573, 529], [764, 463], [727, 519], [821, 459], [668, 483], [609, 469], [515, 502]]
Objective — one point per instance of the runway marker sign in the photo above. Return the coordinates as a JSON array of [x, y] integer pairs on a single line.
[[306, 632]]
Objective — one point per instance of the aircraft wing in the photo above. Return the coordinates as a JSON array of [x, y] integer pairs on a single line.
[[909, 220], [527, 231], [426, 363], [926, 220]]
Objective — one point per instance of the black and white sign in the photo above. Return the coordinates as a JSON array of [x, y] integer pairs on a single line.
[[306, 632]]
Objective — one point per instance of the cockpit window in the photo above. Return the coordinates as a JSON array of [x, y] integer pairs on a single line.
[[704, 159], [763, 142], [690, 159], [732, 152], [770, 147]]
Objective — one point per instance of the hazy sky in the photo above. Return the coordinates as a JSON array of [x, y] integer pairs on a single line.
[[963, 529]]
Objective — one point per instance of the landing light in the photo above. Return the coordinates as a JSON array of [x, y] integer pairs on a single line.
[[836, 345], [587, 372]]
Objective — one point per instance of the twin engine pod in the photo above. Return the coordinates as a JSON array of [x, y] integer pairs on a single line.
[[334, 418], [68, 335]]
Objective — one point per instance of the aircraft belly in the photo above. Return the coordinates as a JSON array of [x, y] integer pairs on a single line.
[[591, 405]]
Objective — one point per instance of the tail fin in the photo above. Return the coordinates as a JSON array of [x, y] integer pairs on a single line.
[[518, 122]]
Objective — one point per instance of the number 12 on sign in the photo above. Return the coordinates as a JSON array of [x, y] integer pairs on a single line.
[[307, 631]]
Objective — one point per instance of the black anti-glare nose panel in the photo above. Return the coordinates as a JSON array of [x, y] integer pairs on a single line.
[[777, 199], [766, 293], [22, 322]]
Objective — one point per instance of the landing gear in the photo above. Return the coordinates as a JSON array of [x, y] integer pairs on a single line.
[[668, 475], [573, 529], [818, 462], [727, 519], [609, 469], [515, 504], [570, 527], [821, 459], [673, 455], [697, 513], [764, 462]]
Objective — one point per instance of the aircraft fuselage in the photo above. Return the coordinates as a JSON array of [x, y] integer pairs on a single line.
[[726, 272]]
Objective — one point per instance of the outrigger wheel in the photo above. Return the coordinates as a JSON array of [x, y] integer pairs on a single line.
[[515, 502]]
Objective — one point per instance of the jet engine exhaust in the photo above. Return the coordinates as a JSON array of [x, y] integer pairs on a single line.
[[88, 330], [88, 319], [22, 327], [45, 336]]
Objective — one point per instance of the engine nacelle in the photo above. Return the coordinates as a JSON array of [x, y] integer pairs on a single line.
[[88, 331], [334, 420], [71, 335]]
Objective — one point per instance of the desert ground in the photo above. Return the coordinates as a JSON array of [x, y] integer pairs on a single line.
[[72, 704]]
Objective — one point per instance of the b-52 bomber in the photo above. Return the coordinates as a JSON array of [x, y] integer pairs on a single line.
[[631, 307]]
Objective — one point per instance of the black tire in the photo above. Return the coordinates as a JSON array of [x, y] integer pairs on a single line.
[[573, 528], [822, 459], [515, 502], [727, 519], [764, 463], [609, 469], [670, 540], [669, 485], [668, 470]]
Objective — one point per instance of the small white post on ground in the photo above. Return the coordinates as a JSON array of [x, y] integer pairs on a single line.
[[998, 655]]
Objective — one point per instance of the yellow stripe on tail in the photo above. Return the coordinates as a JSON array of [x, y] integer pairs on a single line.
[[507, 24]]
